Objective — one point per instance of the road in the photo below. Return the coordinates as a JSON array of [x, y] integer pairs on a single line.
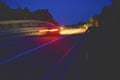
[[41, 57]]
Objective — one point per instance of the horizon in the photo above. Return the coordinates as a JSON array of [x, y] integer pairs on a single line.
[[64, 12]]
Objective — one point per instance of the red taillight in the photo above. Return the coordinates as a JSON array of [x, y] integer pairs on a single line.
[[53, 30]]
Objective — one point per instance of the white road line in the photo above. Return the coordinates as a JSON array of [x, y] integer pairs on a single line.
[[59, 62], [66, 65], [29, 51]]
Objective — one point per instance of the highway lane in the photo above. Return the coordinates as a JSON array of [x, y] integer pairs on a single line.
[[10, 47], [35, 57]]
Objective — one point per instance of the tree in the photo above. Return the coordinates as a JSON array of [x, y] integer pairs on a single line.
[[26, 14], [90, 21], [4, 10], [7, 13], [44, 15]]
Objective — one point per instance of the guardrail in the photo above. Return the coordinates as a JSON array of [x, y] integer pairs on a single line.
[[23, 21], [16, 32], [10, 31]]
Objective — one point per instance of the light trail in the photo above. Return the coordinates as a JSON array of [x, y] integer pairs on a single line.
[[72, 31]]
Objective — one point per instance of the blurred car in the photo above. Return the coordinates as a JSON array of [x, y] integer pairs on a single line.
[[46, 28]]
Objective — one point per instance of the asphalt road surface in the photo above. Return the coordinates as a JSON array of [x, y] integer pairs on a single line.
[[41, 58]]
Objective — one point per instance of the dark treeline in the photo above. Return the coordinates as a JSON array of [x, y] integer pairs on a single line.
[[104, 44], [110, 16], [7, 13]]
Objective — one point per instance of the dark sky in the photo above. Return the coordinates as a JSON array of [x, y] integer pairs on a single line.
[[64, 11]]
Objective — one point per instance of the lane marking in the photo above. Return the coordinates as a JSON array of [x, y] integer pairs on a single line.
[[29, 51], [64, 68], [59, 62]]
